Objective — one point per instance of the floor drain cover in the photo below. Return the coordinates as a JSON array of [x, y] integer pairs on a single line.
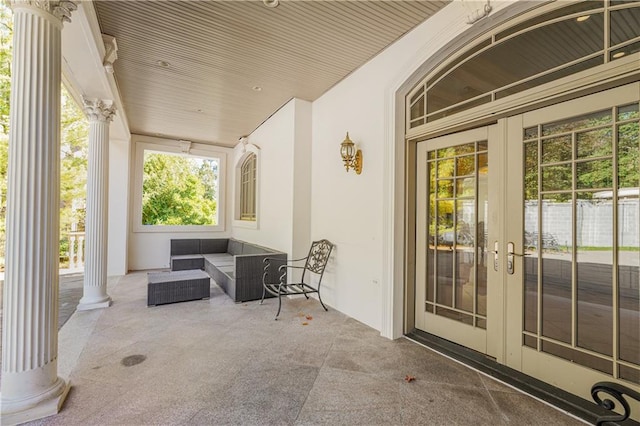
[[132, 360]]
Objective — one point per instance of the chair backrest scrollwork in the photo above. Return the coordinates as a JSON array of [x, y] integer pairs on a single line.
[[318, 256]]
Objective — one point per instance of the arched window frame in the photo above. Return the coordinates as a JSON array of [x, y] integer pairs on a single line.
[[462, 116], [248, 188], [246, 152]]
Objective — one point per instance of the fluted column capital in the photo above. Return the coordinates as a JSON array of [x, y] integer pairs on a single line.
[[99, 110], [61, 9]]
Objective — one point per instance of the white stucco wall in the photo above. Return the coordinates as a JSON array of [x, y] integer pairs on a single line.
[[357, 212], [284, 176], [119, 163], [303, 164]]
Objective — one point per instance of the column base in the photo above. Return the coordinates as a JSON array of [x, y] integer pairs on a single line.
[[89, 305], [45, 408]]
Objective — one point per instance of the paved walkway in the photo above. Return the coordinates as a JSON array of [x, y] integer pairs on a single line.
[[70, 294], [216, 362]]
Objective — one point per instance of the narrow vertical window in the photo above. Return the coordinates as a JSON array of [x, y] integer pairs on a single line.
[[248, 188]]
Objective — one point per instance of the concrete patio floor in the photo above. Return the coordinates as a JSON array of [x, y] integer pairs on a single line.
[[215, 362]]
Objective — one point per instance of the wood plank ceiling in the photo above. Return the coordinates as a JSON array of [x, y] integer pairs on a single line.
[[191, 69]]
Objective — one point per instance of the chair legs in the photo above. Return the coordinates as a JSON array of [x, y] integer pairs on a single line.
[[284, 292], [279, 305], [320, 299]]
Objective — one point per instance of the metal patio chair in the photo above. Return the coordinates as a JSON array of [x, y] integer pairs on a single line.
[[315, 263]]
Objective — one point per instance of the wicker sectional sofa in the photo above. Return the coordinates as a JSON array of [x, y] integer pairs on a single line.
[[236, 266]]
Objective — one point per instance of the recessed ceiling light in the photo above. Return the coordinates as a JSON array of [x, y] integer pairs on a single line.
[[619, 55], [199, 111], [271, 3], [583, 18], [163, 64], [257, 88]]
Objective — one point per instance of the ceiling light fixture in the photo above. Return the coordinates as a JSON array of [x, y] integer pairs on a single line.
[[583, 18], [619, 55], [163, 64], [257, 89], [271, 3]]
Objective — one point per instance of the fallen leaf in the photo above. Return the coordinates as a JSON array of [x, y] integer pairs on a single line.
[[305, 323], [409, 378], [309, 317]]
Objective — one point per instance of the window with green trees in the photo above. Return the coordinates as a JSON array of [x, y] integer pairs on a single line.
[[179, 189]]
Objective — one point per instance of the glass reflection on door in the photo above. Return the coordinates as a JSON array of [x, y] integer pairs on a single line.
[[456, 253], [582, 240]]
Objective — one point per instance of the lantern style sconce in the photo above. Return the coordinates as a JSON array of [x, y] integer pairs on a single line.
[[351, 156]]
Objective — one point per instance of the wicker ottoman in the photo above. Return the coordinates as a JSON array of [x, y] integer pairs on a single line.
[[177, 286]]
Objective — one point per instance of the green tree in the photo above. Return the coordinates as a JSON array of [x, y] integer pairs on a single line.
[[177, 190], [6, 34], [73, 168]]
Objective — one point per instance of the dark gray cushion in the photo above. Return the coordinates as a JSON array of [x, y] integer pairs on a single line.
[[219, 259], [187, 261], [213, 245], [234, 247], [252, 249], [164, 277], [185, 246]]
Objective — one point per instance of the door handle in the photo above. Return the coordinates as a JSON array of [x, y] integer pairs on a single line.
[[510, 257], [495, 256]]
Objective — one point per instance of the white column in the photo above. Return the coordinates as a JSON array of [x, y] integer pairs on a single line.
[[100, 114], [31, 388]]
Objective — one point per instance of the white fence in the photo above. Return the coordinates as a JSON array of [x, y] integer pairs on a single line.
[[594, 222], [76, 250]]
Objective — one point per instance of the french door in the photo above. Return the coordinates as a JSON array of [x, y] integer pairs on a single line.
[[457, 202], [528, 241], [573, 295]]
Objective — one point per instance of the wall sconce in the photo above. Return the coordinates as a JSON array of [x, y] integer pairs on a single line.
[[351, 156]]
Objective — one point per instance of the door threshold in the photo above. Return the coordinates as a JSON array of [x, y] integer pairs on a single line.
[[562, 400]]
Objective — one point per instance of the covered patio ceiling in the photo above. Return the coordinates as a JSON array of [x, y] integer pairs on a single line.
[[212, 71]]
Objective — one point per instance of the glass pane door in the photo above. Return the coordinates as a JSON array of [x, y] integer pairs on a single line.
[[453, 206], [579, 236]]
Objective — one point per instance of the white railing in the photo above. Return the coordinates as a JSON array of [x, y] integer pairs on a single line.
[[76, 250]]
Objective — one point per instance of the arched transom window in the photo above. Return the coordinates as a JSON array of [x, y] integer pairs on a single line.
[[539, 50]]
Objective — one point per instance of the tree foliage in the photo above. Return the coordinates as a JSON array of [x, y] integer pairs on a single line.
[[74, 135], [178, 190], [73, 165], [6, 34], [594, 157]]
